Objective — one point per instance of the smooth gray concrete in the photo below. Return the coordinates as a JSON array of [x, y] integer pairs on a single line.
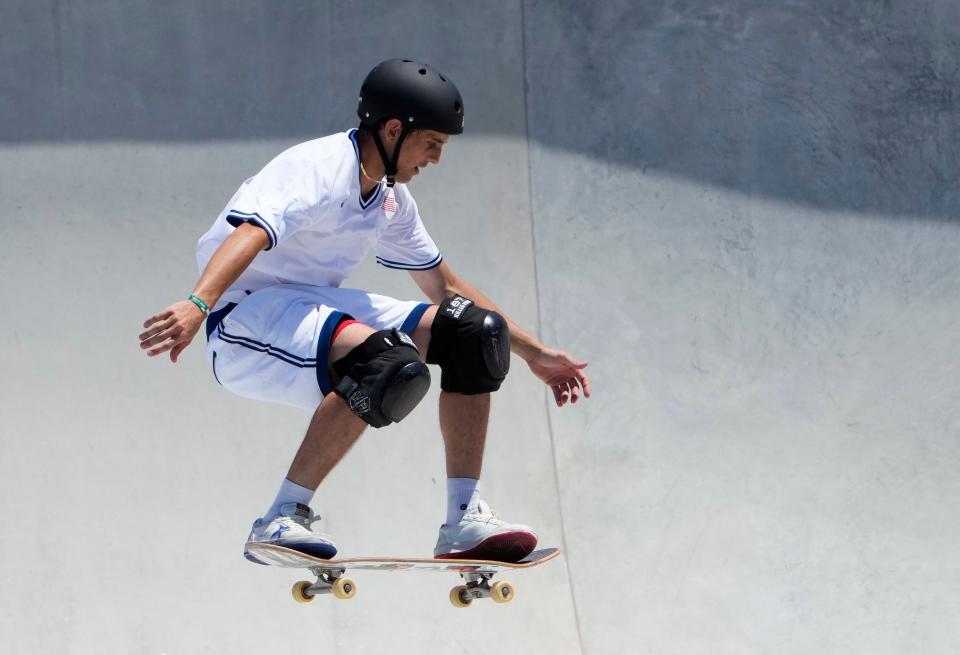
[[751, 228], [744, 216]]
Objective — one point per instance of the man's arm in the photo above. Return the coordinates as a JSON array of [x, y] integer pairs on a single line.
[[174, 328], [557, 369]]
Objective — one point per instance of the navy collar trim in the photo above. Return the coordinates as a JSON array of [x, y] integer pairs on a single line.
[[364, 204]]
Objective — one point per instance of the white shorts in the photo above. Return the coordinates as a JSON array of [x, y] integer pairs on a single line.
[[274, 344]]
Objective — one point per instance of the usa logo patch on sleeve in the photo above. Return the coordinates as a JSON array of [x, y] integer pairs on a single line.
[[389, 204]]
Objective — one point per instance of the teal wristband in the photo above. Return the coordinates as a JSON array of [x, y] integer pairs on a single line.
[[199, 303]]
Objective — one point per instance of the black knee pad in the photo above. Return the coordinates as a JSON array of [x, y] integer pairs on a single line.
[[382, 379], [471, 345]]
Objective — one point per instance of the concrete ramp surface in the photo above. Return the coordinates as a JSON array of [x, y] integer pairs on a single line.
[[744, 216]]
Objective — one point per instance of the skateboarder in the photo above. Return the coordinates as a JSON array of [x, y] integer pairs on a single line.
[[280, 328]]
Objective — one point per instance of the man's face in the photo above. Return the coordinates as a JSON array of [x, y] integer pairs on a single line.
[[420, 148]]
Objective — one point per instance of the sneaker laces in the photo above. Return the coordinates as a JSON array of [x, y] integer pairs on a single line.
[[304, 521], [484, 509], [300, 521]]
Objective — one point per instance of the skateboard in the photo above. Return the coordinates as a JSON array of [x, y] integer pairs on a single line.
[[476, 574]]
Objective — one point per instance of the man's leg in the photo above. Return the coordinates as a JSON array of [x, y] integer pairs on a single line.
[[463, 419], [463, 423], [332, 432], [470, 530], [334, 428]]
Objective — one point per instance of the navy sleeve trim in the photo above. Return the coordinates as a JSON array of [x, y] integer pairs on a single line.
[[237, 218], [433, 263]]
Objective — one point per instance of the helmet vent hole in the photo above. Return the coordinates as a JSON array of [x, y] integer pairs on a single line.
[[443, 78], [456, 107], [408, 61], [422, 71]]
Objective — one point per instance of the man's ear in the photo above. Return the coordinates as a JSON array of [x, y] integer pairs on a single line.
[[391, 130]]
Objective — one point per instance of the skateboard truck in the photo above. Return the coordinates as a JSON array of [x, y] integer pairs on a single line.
[[329, 581], [478, 586]]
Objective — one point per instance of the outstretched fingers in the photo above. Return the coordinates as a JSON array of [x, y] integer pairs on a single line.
[[568, 390], [558, 395], [171, 330], [575, 392], [159, 345], [163, 335], [564, 375], [574, 383], [165, 314], [156, 328], [583, 381]]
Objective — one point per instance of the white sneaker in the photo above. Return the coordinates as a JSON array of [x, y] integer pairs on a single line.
[[482, 534], [292, 530]]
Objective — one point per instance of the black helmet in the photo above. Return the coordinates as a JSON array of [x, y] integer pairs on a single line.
[[415, 94]]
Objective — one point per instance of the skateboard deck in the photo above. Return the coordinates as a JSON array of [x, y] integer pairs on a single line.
[[477, 574]]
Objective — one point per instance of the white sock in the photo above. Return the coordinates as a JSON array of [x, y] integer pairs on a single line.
[[463, 494], [290, 492]]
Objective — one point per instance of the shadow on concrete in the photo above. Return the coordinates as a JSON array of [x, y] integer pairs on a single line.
[[846, 106]]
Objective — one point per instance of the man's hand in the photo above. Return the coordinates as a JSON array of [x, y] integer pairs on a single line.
[[172, 329], [562, 373]]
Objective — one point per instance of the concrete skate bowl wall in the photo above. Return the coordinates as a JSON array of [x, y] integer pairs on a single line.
[[840, 105], [745, 217]]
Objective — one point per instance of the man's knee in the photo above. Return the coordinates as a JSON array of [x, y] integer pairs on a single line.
[[382, 379], [471, 345]]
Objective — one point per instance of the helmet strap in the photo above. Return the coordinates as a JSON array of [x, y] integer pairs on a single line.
[[389, 163]]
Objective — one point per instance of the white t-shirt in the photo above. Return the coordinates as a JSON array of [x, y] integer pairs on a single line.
[[308, 201]]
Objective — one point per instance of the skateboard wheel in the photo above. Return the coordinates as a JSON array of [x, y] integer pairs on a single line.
[[501, 592], [344, 588], [300, 592], [459, 598]]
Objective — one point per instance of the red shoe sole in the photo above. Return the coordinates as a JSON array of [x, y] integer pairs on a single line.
[[507, 547]]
